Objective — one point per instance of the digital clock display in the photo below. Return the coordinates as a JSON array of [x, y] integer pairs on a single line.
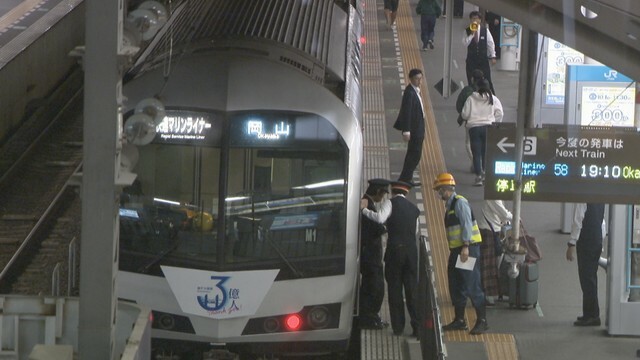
[[565, 164]]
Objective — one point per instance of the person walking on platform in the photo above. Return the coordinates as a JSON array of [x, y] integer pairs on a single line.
[[476, 76], [494, 216], [429, 11], [401, 257], [375, 209], [480, 48], [587, 231], [480, 110], [391, 12], [464, 239], [411, 122]]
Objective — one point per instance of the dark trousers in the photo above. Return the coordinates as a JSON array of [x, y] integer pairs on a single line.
[[400, 275], [465, 284], [478, 141], [588, 255], [427, 28], [412, 158], [482, 64], [371, 291]]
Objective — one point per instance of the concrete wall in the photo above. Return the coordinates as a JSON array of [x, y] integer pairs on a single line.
[[34, 62]]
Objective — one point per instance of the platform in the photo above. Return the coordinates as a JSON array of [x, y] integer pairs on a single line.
[[543, 332]]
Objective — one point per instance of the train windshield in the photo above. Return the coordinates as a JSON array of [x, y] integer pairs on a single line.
[[267, 192]]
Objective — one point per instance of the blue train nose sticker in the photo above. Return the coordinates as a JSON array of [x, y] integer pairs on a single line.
[[219, 295]]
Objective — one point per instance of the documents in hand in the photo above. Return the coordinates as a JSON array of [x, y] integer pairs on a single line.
[[467, 265]]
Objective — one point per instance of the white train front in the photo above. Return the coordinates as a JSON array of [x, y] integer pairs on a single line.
[[242, 225]]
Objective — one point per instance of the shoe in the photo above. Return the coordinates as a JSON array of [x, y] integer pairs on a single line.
[[430, 44], [481, 327], [478, 181], [398, 333], [456, 324], [587, 322]]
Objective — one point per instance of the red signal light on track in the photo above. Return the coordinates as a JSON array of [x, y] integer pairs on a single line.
[[363, 40], [293, 322]]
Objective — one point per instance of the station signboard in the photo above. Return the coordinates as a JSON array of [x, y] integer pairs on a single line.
[[565, 164]]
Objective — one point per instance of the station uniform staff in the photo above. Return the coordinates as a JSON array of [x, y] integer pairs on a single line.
[[464, 238], [401, 257], [375, 209], [587, 231], [480, 48]]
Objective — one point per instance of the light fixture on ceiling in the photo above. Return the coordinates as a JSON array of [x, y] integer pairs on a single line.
[[588, 13]]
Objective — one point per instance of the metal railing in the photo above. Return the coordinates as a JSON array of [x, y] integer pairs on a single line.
[[430, 328], [55, 280], [71, 272]]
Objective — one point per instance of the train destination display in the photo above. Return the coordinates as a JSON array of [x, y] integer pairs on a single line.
[[565, 164]]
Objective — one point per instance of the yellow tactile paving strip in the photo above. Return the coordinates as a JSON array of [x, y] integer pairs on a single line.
[[498, 346]]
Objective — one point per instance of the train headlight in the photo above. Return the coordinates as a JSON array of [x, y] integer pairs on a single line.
[[318, 317], [271, 325], [293, 322]]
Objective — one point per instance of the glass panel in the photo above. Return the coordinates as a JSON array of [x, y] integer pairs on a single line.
[[169, 214], [285, 205]]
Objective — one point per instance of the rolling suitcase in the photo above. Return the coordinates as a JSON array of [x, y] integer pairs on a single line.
[[523, 290]]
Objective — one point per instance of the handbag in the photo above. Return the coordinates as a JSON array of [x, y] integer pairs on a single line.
[[534, 254]]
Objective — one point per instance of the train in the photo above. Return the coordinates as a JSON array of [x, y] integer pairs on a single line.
[[241, 228]]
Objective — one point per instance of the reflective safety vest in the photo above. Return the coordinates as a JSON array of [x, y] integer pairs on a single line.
[[454, 230]]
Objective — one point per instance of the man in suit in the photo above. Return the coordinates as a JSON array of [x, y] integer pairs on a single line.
[[401, 257], [587, 230], [411, 122], [375, 209], [480, 49]]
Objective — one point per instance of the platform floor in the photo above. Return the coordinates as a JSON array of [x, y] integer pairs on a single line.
[[543, 332]]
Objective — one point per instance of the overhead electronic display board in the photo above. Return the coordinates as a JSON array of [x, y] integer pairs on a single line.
[[565, 164], [597, 95]]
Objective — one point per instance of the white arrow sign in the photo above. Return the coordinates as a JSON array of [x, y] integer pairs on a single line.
[[529, 145], [502, 145]]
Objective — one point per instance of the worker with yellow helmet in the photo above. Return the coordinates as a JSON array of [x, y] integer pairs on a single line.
[[464, 238]]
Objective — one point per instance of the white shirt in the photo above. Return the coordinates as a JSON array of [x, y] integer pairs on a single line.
[[382, 213], [491, 45], [496, 213], [478, 111]]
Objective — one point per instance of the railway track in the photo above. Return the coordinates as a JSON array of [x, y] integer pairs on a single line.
[[39, 206]]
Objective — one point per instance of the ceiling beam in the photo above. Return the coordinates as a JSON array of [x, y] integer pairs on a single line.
[[601, 46]]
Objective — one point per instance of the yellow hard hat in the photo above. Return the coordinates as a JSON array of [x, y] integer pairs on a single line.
[[203, 221], [444, 179]]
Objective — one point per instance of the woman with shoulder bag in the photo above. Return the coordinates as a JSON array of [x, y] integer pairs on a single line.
[[480, 110], [495, 215]]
